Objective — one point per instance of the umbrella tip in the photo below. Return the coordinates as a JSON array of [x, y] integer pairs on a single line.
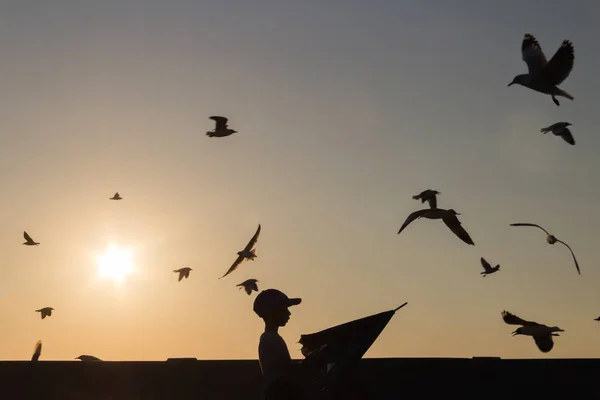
[[401, 306]]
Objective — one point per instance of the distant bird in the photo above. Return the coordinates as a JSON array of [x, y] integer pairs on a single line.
[[544, 76], [87, 358], [542, 334], [551, 239], [45, 312], [249, 285], [116, 196], [28, 240], [449, 218], [597, 319], [221, 128], [249, 253], [429, 196], [38, 351], [183, 273], [560, 129], [488, 269]]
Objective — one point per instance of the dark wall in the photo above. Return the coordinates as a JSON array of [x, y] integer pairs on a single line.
[[397, 378]]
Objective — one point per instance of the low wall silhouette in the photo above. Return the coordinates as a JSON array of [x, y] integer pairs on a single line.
[[397, 378]]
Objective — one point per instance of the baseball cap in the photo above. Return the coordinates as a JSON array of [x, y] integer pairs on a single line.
[[272, 299]]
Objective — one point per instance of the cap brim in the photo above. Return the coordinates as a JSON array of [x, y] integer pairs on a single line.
[[293, 302]]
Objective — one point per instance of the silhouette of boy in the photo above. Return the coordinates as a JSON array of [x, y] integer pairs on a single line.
[[273, 354]]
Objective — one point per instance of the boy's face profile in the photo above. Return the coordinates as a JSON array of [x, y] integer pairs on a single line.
[[279, 316]]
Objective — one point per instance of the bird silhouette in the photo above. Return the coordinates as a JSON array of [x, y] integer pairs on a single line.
[[116, 196], [551, 239], [249, 253], [542, 334], [183, 273], [249, 285], [543, 75], [28, 240], [87, 358], [448, 216], [45, 312], [487, 268], [38, 351], [560, 129], [597, 319], [221, 128], [429, 196]]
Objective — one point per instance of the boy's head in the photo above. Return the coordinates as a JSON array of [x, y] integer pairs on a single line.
[[272, 306]]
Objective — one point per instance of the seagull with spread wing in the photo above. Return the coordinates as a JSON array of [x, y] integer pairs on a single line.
[[543, 75], [249, 285], [428, 196], [560, 129], [183, 273], [45, 312], [487, 268], [249, 253], [448, 216], [116, 196], [551, 239], [542, 334], [37, 352], [221, 128], [28, 240]]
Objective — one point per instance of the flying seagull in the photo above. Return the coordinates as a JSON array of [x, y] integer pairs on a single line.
[[449, 218], [542, 334], [183, 273], [544, 76], [427, 196], [45, 312], [249, 285], [38, 351], [28, 240], [221, 128], [560, 129], [597, 319], [116, 196], [488, 269], [87, 358], [249, 253], [551, 239]]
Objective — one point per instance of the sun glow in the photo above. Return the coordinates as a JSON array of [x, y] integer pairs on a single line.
[[115, 263]]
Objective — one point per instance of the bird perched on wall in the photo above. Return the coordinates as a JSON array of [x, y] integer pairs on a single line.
[[551, 239], [560, 129], [183, 273], [38, 351], [221, 128], [543, 75], [428, 196], [87, 358], [542, 334], [249, 285]]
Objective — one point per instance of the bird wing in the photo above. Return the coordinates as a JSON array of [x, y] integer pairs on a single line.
[[544, 343], [532, 54], [237, 262], [414, 215], [512, 319], [560, 65], [221, 122], [255, 285], [455, 226], [27, 237], [528, 224], [254, 239], [181, 274], [38, 351], [573, 254], [486, 265], [567, 136]]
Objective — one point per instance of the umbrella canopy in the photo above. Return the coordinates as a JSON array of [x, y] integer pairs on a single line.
[[349, 341]]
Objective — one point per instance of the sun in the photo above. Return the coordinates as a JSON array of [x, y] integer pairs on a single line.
[[115, 263]]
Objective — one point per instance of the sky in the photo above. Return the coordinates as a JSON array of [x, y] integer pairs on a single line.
[[344, 111]]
